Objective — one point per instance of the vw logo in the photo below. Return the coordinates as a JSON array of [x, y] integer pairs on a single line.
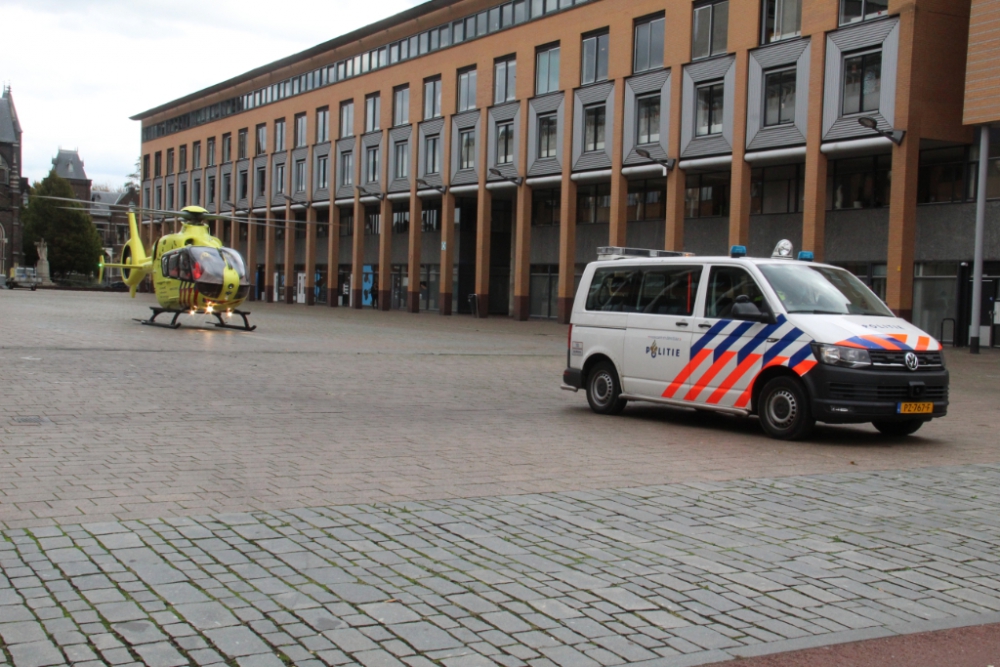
[[912, 361]]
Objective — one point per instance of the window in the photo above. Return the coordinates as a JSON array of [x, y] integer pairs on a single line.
[[159, 196], [196, 155], [852, 11], [647, 200], [725, 284], [594, 128], [710, 30], [373, 221], [227, 188], [547, 70], [546, 207], [210, 191], [371, 164], [227, 147], [196, 192], [432, 98], [300, 131], [663, 290], [170, 195], [184, 194], [400, 220], [862, 82], [347, 168], [777, 189], [279, 135], [401, 106], [279, 179], [346, 119], [504, 80], [145, 170], [948, 175], [710, 109], [157, 164], [467, 90], [431, 218], [505, 143], [432, 155], [346, 222], [322, 125], [467, 149], [210, 152], [648, 44], [244, 184], [323, 172], [782, 19], [170, 161], [779, 97], [401, 160], [299, 177], [707, 195], [593, 204], [595, 59], [183, 161], [648, 121], [373, 110], [261, 146], [859, 182], [547, 136]]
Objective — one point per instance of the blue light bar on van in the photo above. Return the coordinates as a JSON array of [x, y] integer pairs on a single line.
[[806, 256], [738, 251]]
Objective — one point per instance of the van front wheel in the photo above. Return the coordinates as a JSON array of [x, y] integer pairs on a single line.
[[784, 409], [604, 390]]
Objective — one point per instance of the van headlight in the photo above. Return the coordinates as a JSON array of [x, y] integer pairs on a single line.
[[836, 355]]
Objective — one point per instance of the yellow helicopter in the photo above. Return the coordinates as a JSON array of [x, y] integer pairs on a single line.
[[193, 272]]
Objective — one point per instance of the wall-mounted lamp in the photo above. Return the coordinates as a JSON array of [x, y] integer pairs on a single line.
[[427, 186], [517, 180], [895, 136], [364, 193], [667, 164]]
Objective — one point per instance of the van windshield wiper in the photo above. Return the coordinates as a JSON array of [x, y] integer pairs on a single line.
[[817, 312]]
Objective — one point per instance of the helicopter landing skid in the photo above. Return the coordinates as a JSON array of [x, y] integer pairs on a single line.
[[151, 322], [222, 324]]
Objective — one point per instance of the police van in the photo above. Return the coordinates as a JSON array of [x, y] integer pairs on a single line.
[[786, 339]]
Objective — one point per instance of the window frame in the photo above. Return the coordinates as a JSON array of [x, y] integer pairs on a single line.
[[322, 125], [260, 135], [467, 83], [432, 154], [299, 176], [713, 48], [301, 130], [401, 167], [373, 112], [640, 101], [505, 82], [322, 172], [401, 105], [601, 40], [787, 70], [711, 86], [346, 119], [467, 149], [551, 121], [372, 164], [551, 52], [432, 97], [598, 142], [505, 143], [864, 13], [649, 23], [776, 37], [346, 170], [863, 56]]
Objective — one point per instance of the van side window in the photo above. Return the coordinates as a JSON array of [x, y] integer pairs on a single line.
[[669, 290], [724, 285], [614, 290]]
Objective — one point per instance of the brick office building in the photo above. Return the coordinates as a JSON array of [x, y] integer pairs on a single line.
[[509, 140]]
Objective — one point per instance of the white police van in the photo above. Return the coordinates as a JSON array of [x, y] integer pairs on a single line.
[[785, 339]]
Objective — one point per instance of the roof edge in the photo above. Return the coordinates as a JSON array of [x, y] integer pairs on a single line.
[[335, 43]]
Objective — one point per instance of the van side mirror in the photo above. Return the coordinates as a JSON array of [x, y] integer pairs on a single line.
[[747, 311]]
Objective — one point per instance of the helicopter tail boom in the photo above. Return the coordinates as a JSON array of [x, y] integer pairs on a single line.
[[135, 265]]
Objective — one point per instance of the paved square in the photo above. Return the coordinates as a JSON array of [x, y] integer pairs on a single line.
[[369, 488]]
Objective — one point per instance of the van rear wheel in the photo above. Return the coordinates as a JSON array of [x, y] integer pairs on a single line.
[[784, 409], [899, 428], [604, 390]]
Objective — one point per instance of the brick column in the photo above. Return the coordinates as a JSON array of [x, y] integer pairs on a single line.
[[357, 251], [310, 254], [252, 252], [522, 254], [814, 205], [333, 252], [484, 220], [291, 279], [673, 237], [567, 220], [414, 251], [617, 230], [739, 211], [385, 256], [447, 253]]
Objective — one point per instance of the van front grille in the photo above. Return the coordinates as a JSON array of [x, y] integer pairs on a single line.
[[900, 392]]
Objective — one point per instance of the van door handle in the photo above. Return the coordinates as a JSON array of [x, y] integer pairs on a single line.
[[682, 324], [705, 326], [772, 340]]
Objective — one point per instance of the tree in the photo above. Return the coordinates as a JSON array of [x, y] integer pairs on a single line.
[[74, 244]]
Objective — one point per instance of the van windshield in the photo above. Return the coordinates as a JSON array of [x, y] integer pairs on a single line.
[[822, 290]]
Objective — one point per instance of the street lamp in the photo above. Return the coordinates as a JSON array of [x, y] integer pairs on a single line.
[[667, 164], [895, 136], [364, 193], [517, 180], [427, 186]]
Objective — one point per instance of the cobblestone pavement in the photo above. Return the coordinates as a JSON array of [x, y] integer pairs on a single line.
[[464, 511], [670, 575], [102, 419]]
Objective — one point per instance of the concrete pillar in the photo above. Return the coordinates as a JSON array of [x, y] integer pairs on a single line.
[[310, 254], [447, 253], [414, 252], [522, 254], [333, 253]]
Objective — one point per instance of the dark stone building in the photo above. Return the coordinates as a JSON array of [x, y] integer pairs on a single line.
[[68, 165], [13, 188]]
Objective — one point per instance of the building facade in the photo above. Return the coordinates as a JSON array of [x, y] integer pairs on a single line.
[[13, 188], [487, 149]]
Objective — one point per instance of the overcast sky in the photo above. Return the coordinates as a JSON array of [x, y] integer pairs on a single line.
[[79, 68]]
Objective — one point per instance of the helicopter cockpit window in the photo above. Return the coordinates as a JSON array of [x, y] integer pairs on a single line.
[[207, 265], [185, 268], [235, 262], [173, 265]]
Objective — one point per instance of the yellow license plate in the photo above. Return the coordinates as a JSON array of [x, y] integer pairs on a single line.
[[916, 408]]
